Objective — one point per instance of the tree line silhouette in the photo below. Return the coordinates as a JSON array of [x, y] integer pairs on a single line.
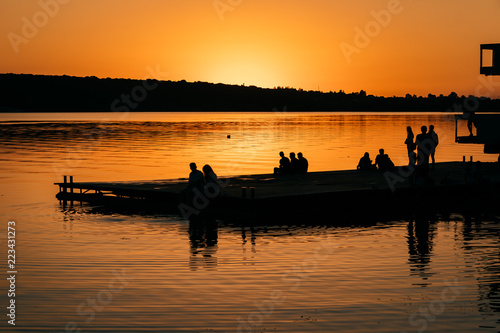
[[27, 92]]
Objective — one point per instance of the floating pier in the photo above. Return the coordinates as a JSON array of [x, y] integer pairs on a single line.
[[334, 194]]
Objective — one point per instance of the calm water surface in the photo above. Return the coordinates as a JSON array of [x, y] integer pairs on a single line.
[[102, 271]]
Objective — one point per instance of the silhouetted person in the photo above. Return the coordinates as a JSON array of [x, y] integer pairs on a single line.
[[195, 178], [303, 163], [435, 141], [423, 149], [294, 163], [284, 167], [383, 162], [471, 120], [365, 163], [412, 164], [196, 182], [209, 174], [211, 183], [409, 140], [412, 157]]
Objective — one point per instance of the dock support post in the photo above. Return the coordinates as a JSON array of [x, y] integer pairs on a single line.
[[252, 192], [65, 191], [71, 189], [244, 192], [471, 158], [456, 130], [463, 158]]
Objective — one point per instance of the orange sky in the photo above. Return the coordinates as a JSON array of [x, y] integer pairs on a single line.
[[416, 46]]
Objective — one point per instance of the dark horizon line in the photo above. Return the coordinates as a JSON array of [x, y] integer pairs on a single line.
[[239, 85], [64, 93]]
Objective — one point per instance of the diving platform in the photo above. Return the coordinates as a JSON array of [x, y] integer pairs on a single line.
[[490, 59], [487, 128]]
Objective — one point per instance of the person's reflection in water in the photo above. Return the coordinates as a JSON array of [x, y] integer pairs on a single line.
[[420, 243], [243, 245], [203, 236]]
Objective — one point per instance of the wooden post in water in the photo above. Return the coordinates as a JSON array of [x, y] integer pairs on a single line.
[[252, 192], [244, 192], [65, 191], [71, 189], [456, 129]]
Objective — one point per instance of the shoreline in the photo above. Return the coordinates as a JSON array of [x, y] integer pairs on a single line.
[[63, 93]]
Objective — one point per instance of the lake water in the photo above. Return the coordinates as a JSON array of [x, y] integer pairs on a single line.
[[100, 271]]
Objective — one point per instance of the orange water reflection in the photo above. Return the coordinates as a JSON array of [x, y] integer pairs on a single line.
[[161, 145], [184, 277]]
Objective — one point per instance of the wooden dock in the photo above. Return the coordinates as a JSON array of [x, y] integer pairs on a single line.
[[337, 194]]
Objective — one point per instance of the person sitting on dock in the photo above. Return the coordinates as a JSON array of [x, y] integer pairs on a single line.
[[294, 163], [211, 184], [303, 163], [383, 162], [284, 167], [195, 178], [210, 176], [365, 163]]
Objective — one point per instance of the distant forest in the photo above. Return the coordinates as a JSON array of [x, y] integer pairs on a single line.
[[33, 93]]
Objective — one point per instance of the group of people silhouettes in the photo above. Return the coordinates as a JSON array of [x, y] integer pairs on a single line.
[[424, 143], [202, 182], [292, 165], [382, 162]]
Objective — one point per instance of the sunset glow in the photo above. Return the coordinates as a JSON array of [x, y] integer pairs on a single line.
[[385, 47]]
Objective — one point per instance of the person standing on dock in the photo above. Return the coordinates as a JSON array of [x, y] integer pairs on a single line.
[[423, 143], [435, 141], [423, 146], [412, 156], [471, 120], [410, 145], [303, 163]]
